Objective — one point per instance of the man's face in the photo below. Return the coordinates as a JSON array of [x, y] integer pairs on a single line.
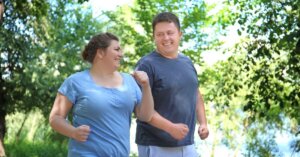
[[167, 38]]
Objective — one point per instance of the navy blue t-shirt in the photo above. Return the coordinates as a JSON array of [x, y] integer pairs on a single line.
[[174, 87]]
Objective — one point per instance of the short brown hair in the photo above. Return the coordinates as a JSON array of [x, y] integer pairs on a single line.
[[165, 17]]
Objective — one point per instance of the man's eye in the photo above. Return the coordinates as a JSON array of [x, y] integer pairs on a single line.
[[170, 33], [159, 34]]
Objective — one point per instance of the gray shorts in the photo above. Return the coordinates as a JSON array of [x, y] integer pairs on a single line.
[[154, 151]]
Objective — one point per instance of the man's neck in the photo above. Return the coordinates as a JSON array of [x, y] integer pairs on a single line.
[[168, 55]]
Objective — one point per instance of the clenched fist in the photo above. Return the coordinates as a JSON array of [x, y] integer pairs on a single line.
[[203, 132], [81, 133], [179, 131], [141, 77]]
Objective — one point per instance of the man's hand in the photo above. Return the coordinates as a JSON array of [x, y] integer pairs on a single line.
[[81, 133], [203, 132], [179, 131]]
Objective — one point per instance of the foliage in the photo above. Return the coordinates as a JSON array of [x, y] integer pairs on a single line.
[[273, 56], [40, 48], [36, 149], [263, 72], [264, 142], [29, 135], [137, 21], [272, 60], [194, 17], [252, 92]]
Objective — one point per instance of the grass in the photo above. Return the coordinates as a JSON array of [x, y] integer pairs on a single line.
[[29, 135], [39, 149]]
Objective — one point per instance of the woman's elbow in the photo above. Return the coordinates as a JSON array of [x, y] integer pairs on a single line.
[[51, 120], [146, 117]]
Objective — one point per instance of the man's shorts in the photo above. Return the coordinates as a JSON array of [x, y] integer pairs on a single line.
[[154, 151]]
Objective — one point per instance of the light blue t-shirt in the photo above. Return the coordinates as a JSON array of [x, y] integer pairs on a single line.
[[106, 110]]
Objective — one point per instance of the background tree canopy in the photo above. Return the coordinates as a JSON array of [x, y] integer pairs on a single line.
[[250, 96]]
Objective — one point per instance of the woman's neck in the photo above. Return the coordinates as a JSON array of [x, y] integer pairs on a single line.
[[105, 77], [99, 72]]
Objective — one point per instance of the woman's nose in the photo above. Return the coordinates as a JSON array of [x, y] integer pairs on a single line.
[[120, 53]]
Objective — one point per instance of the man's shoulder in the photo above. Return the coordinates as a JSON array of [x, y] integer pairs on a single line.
[[150, 55], [182, 55], [148, 58], [184, 58]]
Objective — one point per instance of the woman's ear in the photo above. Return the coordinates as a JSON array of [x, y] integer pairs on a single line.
[[100, 53]]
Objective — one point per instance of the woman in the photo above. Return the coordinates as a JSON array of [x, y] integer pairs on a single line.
[[102, 101]]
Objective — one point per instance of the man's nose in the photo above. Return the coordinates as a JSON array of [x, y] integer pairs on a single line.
[[165, 36]]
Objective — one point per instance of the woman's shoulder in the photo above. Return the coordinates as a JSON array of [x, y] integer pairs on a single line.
[[126, 75], [78, 75]]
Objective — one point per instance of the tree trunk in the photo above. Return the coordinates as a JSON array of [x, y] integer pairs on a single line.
[[1, 11], [2, 129], [2, 150], [2, 117], [20, 129]]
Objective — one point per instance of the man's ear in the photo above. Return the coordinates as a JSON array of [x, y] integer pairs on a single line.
[[180, 34]]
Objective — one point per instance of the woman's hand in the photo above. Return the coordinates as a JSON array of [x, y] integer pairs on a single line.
[[141, 77], [81, 133]]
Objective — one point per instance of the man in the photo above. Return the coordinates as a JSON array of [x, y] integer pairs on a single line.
[[177, 99]]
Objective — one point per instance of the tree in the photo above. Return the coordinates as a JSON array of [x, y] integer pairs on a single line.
[[273, 56], [267, 62], [15, 39], [40, 46], [246, 89], [137, 40]]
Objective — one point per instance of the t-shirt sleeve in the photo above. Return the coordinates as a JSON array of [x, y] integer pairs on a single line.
[[67, 89], [138, 94], [190, 63], [144, 66], [198, 82], [137, 91]]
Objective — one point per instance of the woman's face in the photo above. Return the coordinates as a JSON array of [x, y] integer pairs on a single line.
[[113, 55]]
